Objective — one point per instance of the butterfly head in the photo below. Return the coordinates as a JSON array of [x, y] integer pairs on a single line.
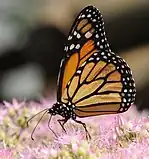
[[54, 109], [61, 109]]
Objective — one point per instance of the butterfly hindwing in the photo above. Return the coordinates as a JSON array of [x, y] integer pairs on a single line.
[[102, 85]]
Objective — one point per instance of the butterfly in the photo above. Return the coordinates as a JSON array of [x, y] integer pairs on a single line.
[[92, 79]]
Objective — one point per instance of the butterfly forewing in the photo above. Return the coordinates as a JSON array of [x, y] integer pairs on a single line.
[[86, 36], [88, 25], [92, 78]]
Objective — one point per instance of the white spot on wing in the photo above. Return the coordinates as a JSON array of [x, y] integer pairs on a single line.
[[78, 36], [102, 53], [105, 57], [77, 46], [97, 36], [72, 46], [70, 37], [89, 15], [88, 35], [91, 58], [95, 53], [98, 43], [66, 48], [79, 71], [97, 58], [75, 33], [101, 46]]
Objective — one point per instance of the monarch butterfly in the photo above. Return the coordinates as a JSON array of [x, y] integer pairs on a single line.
[[92, 80]]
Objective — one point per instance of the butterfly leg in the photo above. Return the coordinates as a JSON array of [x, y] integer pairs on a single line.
[[62, 122], [88, 136]]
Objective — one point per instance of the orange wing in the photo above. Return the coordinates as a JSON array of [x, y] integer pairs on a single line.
[[85, 38], [103, 85]]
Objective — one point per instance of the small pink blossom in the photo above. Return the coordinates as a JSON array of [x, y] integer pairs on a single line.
[[15, 103], [5, 153]]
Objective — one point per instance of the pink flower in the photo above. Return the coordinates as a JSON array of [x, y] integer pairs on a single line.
[[6, 153], [114, 136], [14, 104]]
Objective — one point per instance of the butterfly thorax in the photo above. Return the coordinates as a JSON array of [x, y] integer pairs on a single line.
[[62, 109]]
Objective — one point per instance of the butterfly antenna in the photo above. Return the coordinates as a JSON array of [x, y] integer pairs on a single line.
[[36, 115], [46, 110], [50, 127]]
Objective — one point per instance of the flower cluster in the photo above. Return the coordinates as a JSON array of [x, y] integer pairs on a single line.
[[120, 136]]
